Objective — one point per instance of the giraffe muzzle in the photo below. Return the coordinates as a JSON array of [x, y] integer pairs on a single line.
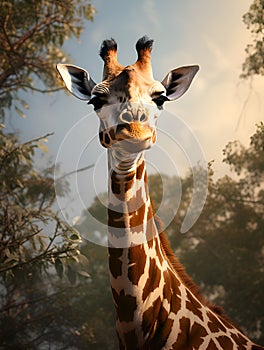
[[135, 136]]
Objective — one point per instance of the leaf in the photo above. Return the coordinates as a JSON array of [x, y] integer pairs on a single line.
[[71, 275], [83, 260], [59, 267], [43, 147], [12, 257], [19, 183], [75, 237], [76, 219], [24, 104], [21, 113], [7, 252], [84, 273]]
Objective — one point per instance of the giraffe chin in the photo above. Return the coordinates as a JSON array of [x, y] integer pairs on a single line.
[[136, 146]]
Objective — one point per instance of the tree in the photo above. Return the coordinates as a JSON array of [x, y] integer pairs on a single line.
[[32, 34], [36, 246], [254, 20], [34, 241]]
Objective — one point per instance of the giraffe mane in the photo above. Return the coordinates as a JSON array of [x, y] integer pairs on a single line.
[[181, 272]]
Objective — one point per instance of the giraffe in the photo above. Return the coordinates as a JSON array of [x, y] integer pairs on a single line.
[[157, 304]]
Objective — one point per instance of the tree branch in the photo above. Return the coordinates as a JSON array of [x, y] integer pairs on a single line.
[[42, 90], [75, 171]]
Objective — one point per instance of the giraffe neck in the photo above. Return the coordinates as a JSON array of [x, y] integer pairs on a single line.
[[157, 304], [130, 215], [132, 231]]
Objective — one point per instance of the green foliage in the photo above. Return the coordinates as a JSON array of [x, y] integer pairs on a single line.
[[254, 20], [248, 161], [25, 210], [40, 259], [34, 243], [31, 36]]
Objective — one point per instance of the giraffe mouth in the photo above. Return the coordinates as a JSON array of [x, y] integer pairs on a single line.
[[135, 137], [135, 146]]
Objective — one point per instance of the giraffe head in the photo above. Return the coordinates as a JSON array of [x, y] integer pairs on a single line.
[[129, 100]]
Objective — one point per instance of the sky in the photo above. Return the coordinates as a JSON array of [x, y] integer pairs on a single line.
[[219, 107]]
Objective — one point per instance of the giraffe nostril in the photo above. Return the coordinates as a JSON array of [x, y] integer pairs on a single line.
[[143, 118], [126, 117]]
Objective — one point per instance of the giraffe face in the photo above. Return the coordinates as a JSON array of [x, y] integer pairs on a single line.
[[128, 107], [128, 100]]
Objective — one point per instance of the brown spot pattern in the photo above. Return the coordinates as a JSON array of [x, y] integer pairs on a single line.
[[115, 264], [128, 182], [115, 217], [121, 345], [214, 324], [175, 295], [131, 340], [150, 316], [198, 332], [120, 184], [151, 227], [125, 305], [212, 346], [193, 305], [137, 258], [153, 281], [137, 217], [115, 183], [225, 342], [154, 137], [163, 315], [182, 341], [150, 243], [162, 333], [140, 170], [241, 340], [135, 202], [167, 286], [158, 252]]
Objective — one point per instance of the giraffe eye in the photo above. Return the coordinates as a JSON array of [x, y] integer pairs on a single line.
[[97, 102], [159, 99]]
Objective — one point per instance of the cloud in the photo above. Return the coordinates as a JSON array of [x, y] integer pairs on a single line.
[[151, 12], [220, 56]]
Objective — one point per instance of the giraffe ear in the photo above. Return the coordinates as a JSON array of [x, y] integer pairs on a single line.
[[178, 80], [77, 80]]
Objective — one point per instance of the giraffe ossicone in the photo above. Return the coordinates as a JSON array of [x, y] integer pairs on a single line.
[[158, 306]]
